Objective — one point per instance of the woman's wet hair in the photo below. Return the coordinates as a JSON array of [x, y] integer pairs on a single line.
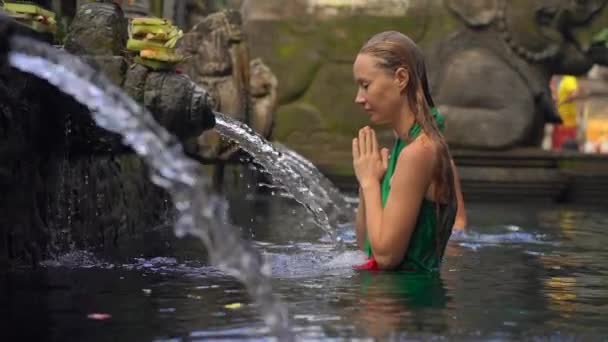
[[395, 50]]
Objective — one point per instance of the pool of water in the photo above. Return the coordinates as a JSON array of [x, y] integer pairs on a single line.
[[520, 272]]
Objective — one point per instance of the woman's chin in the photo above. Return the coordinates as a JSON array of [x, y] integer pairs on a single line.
[[375, 120]]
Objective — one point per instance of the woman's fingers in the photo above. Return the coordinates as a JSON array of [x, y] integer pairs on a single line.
[[362, 141], [356, 152], [374, 140], [368, 141], [384, 156]]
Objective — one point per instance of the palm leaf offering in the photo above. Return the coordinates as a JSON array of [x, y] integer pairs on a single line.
[[154, 39], [30, 14]]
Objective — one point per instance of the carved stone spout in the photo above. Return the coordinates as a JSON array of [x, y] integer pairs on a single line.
[[218, 60]]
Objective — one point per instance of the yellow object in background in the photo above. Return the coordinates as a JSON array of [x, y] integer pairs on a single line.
[[595, 123], [597, 130], [568, 86]]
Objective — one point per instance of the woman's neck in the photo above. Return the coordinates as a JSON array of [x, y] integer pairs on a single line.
[[403, 124]]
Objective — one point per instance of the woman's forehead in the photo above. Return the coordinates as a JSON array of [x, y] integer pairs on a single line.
[[366, 64]]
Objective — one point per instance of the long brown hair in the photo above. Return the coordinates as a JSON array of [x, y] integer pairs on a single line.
[[396, 50]]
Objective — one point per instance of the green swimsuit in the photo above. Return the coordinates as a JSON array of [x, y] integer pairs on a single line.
[[422, 253]]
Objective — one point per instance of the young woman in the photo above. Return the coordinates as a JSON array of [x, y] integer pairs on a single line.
[[408, 200]]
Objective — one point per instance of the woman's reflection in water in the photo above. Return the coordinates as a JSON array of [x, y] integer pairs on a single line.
[[401, 301]]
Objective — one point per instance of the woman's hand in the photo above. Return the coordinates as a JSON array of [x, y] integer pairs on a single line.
[[369, 163]]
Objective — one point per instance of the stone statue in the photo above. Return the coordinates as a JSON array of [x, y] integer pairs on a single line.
[[489, 63], [191, 12], [533, 43], [217, 58], [264, 96]]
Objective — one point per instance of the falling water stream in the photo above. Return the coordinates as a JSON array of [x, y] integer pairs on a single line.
[[201, 211], [301, 180], [333, 200]]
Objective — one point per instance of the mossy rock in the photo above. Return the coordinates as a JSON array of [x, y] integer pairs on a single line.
[[114, 67], [344, 37], [327, 150], [279, 49], [98, 29], [333, 93], [297, 117]]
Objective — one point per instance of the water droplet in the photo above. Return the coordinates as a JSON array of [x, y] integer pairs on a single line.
[[99, 316]]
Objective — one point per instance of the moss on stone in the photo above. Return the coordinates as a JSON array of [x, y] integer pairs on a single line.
[[333, 93], [300, 116], [296, 56], [345, 37]]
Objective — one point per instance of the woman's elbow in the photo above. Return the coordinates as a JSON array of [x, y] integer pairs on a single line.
[[389, 255], [387, 262], [460, 223]]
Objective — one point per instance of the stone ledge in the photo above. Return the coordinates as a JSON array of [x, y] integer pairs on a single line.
[[523, 174]]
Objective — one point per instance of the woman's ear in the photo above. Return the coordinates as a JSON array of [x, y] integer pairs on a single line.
[[402, 77]]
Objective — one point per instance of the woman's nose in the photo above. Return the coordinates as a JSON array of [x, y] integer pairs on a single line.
[[359, 99]]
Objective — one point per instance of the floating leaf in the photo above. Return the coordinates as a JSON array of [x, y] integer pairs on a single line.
[[233, 306]]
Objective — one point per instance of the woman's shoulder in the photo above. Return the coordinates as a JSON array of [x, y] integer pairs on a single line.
[[421, 153], [423, 146]]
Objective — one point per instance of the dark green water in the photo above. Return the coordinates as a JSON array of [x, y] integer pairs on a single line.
[[523, 272]]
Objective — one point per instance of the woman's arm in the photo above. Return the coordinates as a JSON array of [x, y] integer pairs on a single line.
[[390, 230], [461, 214], [360, 222]]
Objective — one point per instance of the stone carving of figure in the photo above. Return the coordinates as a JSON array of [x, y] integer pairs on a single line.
[[264, 97], [217, 58]]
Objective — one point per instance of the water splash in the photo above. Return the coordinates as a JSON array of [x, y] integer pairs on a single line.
[[201, 212], [285, 170], [333, 201], [474, 240]]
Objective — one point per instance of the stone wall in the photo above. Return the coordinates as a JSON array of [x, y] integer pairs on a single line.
[[57, 195]]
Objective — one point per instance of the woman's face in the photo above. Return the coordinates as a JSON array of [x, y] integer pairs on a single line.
[[380, 91]]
